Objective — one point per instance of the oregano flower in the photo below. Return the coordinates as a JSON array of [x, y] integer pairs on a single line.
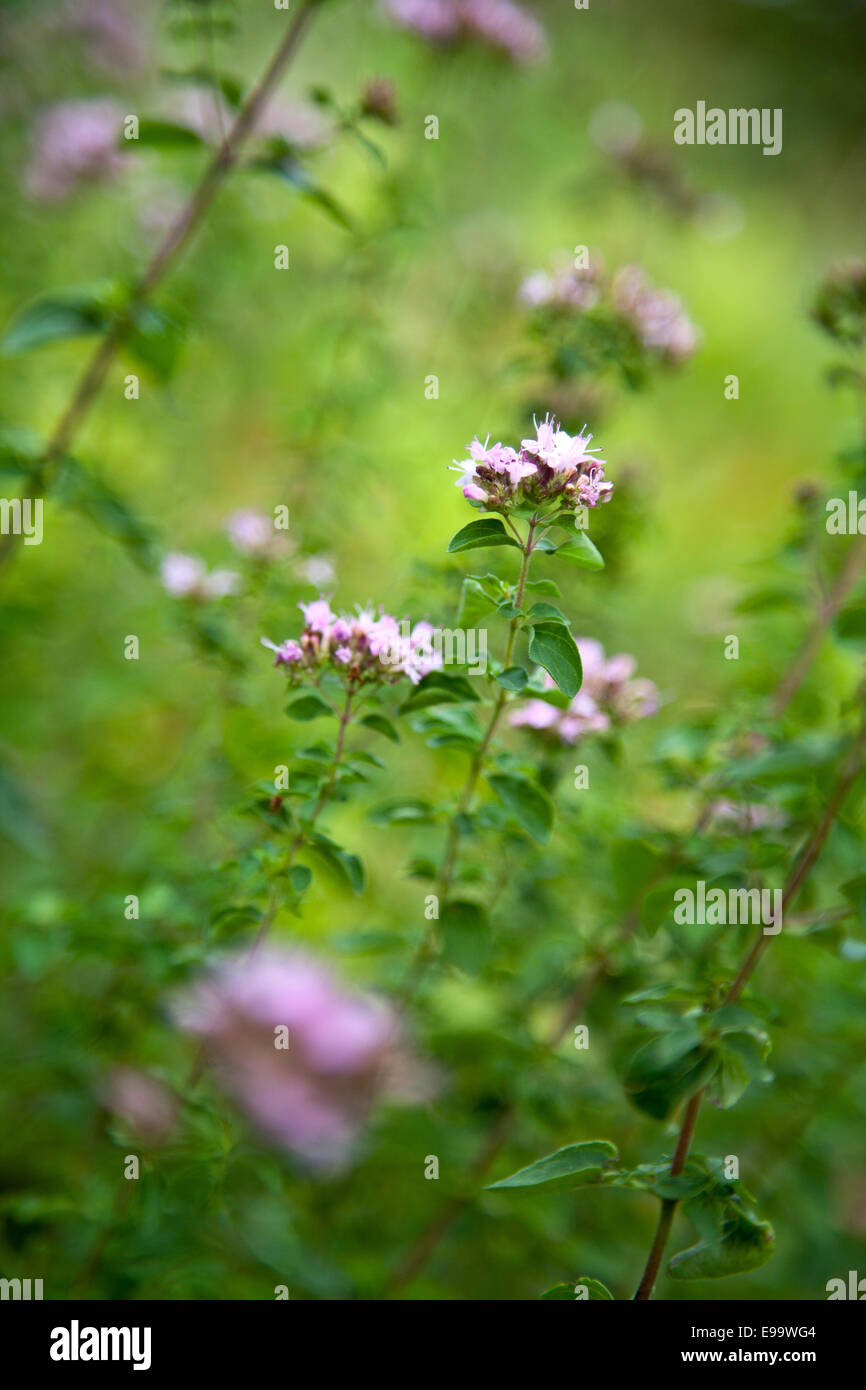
[[501, 24], [305, 1058], [555, 466], [363, 648]]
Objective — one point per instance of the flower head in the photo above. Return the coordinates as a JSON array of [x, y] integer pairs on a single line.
[[364, 647], [657, 316], [76, 143], [301, 1055], [840, 307], [566, 286], [609, 695], [379, 101], [113, 32], [554, 465], [185, 576], [740, 817], [300, 123], [501, 24], [141, 1102], [253, 533]]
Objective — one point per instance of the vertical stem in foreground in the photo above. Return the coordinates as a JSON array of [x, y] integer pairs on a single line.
[[182, 229], [324, 797], [452, 841], [800, 872]]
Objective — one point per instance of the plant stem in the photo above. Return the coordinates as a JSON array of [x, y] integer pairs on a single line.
[[500, 1131], [829, 607], [302, 835], [445, 879], [796, 879], [180, 232]]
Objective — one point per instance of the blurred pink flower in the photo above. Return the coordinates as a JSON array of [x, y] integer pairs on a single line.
[[345, 1053], [185, 576], [114, 36], [143, 1104], [317, 570], [76, 143], [565, 286], [253, 533], [301, 123], [657, 316], [608, 695], [739, 817], [501, 24]]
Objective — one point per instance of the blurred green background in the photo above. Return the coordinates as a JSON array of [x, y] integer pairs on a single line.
[[306, 388]]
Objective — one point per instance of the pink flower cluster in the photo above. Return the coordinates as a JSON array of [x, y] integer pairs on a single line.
[[501, 24], [76, 143], [253, 533], [301, 123], [553, 465], [743, 816], [608, 696], [657, 316], [113, 32], [565, 285], [305, 1059], [362, 647], [142, 1103], [184, 576]]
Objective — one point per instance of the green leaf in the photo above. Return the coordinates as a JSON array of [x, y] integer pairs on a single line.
[[21, 452], [286, 167], [155, 340], [668, 1069], [439, 688], [163, 135], [546, 612], [543, 586], [513, 678], [465, 932], [300, 877], [88, 494], [54, 318], [582, 1290], [382, 726], [576, 1165], [151, 336], [308, 706], [488, 531], [742, 1055], [18, 823], [553, 647], [474, 604], [581, 551], [403, 812], [745, 1244], [851, 622], [530, 806], [348, 864]]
